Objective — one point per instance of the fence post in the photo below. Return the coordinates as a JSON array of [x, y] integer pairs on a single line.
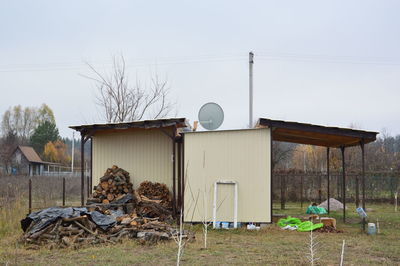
[[283, 188], [301, 190], [88, 185], [320, 189], [357, 191], [63, 192], [30, 195]]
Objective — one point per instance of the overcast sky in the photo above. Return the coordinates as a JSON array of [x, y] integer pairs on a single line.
[[324, 62]]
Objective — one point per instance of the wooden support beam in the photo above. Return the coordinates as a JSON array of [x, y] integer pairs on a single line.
[[174, 173], [183, 179], [271, 174], [82, 168], [179, 175], [343, 183], [363, 178], [328, 178], [91, 166]]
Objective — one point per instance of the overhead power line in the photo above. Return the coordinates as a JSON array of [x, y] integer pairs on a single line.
[[202, 59], [67, 66]]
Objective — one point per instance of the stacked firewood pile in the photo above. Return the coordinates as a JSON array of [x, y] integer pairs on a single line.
[[113, 186], [155, 192], [114, 212]]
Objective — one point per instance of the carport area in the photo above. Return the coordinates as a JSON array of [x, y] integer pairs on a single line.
[[329, 137]]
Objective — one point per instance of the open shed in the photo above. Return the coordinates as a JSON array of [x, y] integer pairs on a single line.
[[216, 160], [146, 149], [329, 137]]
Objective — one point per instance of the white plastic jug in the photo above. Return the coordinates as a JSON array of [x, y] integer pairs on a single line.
[[371, 229]]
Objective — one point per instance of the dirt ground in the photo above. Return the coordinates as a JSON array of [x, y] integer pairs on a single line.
[[269, 246]]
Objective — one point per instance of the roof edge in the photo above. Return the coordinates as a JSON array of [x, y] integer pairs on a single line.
[[156, 123], [370, 135]]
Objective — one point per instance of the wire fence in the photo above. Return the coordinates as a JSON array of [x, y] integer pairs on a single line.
[[43, 191], [313, 187]]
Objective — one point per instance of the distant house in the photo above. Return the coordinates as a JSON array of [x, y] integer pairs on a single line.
[[25, 161]]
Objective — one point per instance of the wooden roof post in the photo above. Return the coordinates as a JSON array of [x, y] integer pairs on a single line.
[[342, 148], [82, 168], [363, 178], [328, 177], [174, 171]]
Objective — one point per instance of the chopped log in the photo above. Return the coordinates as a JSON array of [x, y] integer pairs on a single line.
[[94, 200], [134, 223], [110, 197], [104, 185], [105, 201], [126, 221]]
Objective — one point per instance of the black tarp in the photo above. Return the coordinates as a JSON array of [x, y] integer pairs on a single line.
[[43, 218]]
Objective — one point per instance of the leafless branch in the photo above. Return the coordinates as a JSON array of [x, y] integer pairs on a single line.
[[122, 102]]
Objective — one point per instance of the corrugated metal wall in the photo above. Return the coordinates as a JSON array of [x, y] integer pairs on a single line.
[[238, 155], [145, 153]]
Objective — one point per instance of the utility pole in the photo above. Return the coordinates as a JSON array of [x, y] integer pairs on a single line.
[[73, 152], [251, 62]]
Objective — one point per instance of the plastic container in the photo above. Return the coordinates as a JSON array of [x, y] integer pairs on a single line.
[[231, 225], [361, 212], [251, 227], [217, 225], [225, 225], [371, 229]]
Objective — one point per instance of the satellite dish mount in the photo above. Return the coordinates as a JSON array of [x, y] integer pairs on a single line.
[[211, 116]]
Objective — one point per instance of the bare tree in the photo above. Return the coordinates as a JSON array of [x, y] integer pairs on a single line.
[[312, 246], [8, 145], [120, 101], [281, 153]]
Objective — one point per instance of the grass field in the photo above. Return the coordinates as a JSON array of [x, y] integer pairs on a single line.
[[269, 246]]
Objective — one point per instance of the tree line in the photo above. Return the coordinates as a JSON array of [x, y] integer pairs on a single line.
[[36, 127], [383, 155]]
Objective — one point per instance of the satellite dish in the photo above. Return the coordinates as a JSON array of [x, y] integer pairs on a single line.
[[211, 116]]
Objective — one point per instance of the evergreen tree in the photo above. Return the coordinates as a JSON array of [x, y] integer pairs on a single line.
[[44, 133]]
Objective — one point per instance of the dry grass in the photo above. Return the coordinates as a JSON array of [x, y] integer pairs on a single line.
[[46, 192], [270, 246]]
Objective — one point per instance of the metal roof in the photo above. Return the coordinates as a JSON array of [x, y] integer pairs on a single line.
[[157, 123], [304, 133], [30, 154]]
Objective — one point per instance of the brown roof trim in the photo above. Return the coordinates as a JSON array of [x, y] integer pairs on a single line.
[[29, 153], [315, 134], [158, 123]]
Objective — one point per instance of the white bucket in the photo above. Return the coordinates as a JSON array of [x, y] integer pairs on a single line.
[[371, 229]]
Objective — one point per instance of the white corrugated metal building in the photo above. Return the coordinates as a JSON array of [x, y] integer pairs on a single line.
[[231, 158]]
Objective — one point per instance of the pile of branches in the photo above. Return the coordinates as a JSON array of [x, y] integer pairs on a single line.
[[113, 186], [114, 212], [76, 232]]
